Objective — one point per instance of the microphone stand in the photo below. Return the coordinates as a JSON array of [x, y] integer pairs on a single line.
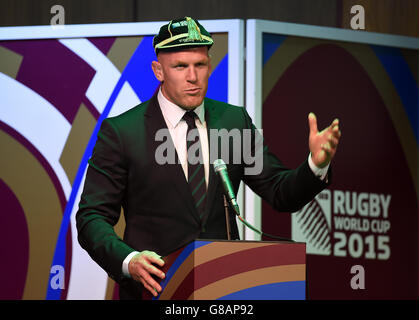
[[227, 218]]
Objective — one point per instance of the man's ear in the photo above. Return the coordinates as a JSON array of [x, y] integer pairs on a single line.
[[157, 69]]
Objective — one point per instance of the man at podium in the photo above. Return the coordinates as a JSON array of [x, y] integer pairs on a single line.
[[167, 205]]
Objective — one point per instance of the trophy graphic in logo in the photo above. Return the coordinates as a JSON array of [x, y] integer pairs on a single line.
[[312, 224]]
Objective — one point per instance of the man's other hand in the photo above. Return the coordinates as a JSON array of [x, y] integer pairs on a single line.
[[323, 144], [142, 267]]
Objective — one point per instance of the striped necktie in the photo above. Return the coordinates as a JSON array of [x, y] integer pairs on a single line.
[[196, 172]]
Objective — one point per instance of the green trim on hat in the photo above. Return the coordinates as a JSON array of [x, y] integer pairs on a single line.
[[168, 28], [187, 41]]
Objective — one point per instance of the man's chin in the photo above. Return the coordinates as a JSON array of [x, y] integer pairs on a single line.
[[191, 105], [189, 108]]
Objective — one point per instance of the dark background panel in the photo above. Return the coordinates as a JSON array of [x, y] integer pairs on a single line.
[[385, 16]]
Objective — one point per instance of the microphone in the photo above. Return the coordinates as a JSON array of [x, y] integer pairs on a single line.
[[221, 169]]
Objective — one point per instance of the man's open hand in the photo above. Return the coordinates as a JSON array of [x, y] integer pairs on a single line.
[[142, 266], [323, 144]]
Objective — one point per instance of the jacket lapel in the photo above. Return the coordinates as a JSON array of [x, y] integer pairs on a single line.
[[212, 120]]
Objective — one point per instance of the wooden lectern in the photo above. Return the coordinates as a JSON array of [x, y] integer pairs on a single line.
[[235, 270]]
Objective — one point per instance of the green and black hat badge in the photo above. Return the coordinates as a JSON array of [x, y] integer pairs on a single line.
[[184, 32]]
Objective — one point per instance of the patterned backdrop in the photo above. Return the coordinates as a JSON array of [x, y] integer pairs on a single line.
[[54, 95]]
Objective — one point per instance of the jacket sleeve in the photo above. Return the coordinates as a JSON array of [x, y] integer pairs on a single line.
[[100, 203], [284, 189]]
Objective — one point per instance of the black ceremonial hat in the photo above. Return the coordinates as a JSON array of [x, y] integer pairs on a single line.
[[184, 32]]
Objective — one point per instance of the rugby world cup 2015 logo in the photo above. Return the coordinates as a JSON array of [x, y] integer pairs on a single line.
[[345, 224]]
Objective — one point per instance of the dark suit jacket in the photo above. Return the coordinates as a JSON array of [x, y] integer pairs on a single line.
[[157, 203]]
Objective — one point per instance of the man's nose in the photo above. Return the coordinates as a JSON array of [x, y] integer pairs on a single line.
[[192, 75]]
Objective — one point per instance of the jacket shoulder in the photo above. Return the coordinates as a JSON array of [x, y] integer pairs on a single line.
[[222, 105], [134, 112], [228, 114]]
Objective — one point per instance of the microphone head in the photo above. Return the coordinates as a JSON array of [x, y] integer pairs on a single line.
[[219, 165]]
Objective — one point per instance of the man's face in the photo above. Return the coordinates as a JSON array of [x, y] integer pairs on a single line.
[[184, 75]]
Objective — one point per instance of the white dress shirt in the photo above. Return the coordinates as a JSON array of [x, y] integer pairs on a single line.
[[178, 128]]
